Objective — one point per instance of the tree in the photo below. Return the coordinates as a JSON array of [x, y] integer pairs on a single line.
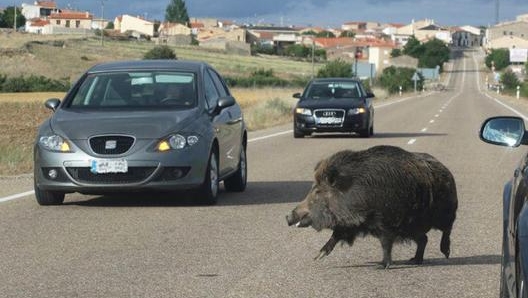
[[435, 54], [500, 58], [347, 34], [336, 68], [7, 18], [176, 12], [413, 48], [396, 53], [325, 34]]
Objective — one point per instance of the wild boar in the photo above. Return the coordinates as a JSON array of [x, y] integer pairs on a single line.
[[384, 191]]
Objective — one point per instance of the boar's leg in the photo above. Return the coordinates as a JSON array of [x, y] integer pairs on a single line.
[[421, 242], [386, 244], [339, 234], [445, 243]]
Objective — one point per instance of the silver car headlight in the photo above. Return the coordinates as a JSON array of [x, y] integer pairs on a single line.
[[55, 143], [357, 111], [302, 111], [177, 141]]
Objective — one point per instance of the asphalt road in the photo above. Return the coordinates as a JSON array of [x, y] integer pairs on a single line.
[[163, 246]]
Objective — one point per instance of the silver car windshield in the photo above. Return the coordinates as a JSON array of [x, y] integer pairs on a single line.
[[136, 90], [329, 90]]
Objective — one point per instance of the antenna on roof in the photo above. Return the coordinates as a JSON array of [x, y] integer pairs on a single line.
[[496, 11]]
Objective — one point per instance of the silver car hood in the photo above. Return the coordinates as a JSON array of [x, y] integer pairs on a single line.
[[78, 125]]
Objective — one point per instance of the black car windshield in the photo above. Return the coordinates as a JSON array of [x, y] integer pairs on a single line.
[[328, 90], [136, 90]]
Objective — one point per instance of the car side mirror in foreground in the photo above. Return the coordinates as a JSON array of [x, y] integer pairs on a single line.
[[370, 95], [52, 104], [297, 95], [224, 102], [503, 131]]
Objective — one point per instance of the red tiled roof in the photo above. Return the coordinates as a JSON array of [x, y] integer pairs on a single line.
[[47, 4], [351, 42], [71, 15], [331, 42], [197, 25], [39, 22]]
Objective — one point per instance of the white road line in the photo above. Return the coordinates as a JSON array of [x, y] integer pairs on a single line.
[[270, 136], [411, 141], [424, 129], [17, 196]]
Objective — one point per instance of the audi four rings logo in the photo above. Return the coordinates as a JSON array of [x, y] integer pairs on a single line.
[[329, 114]]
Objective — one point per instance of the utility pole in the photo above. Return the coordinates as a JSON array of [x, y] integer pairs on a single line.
[[102, 22], [14, 23], [313, 58]]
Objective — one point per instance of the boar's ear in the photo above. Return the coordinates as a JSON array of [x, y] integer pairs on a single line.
[[326, 172]]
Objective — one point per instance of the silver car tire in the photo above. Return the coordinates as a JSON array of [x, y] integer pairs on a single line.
[[208, 191], [237, 182]]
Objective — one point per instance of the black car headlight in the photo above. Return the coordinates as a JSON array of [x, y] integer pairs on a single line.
[[356, 111], [177, 141], [303, 111], [55, 143]]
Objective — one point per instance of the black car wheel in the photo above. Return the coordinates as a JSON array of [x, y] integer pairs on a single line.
[[45, 197], [503, 286], [238, 181], [296, 132], [208, 192]]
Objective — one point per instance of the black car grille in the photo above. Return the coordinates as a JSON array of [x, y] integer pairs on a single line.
[[111, 145], [134, 175], [329, 117]]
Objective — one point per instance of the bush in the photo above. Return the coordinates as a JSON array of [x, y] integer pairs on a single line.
[[510, 80], [337, 68], [33, 84], [258, 78], [160, 52], [500, 58], [394, 77]]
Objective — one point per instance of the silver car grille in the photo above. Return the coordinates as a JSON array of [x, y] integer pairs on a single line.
[[111, 144], [329, 117]]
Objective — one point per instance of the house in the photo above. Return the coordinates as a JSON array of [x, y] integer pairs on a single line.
[[467, 36], [137, 25], [171, 29], [174, 33], [71, 19], [39, 9], [37, 26], [507, 42], [517, 31]]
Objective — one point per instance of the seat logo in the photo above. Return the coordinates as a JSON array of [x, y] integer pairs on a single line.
[[111, 145]]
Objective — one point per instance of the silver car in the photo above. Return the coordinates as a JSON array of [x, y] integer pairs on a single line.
[[164, 125]]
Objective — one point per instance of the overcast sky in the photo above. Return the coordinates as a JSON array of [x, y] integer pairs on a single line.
[[330, 13]]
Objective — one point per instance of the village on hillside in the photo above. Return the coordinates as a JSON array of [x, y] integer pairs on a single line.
[[358, 41]]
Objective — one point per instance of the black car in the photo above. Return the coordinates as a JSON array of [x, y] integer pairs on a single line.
[[334, 105], [164, 125], [510, 131]]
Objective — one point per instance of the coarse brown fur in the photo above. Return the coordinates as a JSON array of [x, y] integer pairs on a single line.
[[384, 191]]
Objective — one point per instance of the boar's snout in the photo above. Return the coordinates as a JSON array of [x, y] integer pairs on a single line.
[[300, 220]]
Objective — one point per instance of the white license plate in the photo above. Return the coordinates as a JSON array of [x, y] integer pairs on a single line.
[[103, 166], [329, 120]]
